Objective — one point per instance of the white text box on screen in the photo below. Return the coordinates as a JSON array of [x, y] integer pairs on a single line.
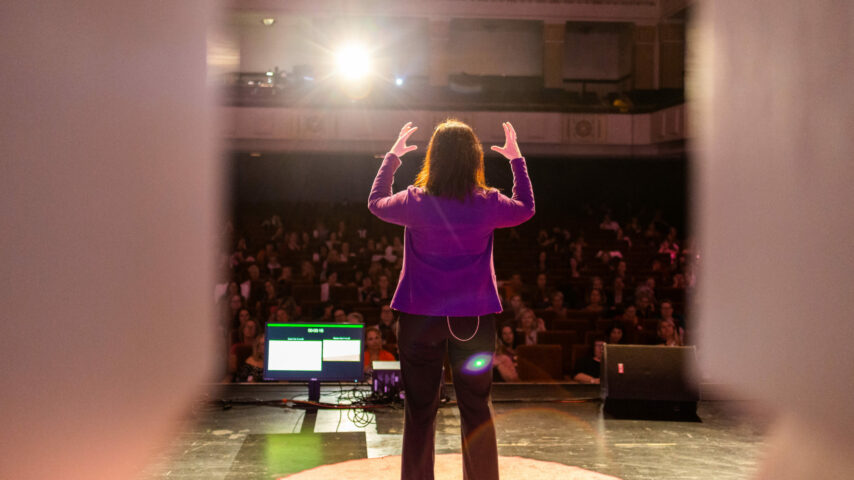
[[341, 350], [299, 355]]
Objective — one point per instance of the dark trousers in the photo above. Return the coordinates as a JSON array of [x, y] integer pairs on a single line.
[[422, 344]]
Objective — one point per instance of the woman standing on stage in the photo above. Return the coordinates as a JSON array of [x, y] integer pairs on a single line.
[[447, 293]]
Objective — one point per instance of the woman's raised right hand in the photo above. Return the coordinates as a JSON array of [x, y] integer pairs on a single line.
[[510, 150], [400, 148]]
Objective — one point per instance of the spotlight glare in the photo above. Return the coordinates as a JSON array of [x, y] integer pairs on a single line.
[[353, 61], [398, 81], [478, 363], [268, 21]]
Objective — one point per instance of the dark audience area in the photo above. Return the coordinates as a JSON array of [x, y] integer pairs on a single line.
[[570, 281]]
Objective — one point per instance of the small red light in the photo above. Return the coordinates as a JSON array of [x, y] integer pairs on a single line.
[[620, 368]]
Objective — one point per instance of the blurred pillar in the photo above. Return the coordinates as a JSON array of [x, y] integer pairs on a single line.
[[773, 112], [109, 194]]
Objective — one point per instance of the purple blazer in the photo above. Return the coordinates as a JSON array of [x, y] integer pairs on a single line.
[[447, 247]]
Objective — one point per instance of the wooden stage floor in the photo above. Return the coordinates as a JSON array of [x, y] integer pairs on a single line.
[[556, 423]]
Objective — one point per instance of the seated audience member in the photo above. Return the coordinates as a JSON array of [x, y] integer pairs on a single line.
[[647, 287], [242, 316], [608, 257], [544, 240], [291, 310], [669, 247], [253, 287], [292, 246], [507, 340], [252, 369], [307, 242], [231, 289], [620, 236], [651, 234], [281, 315], [542, 262], [633, 328], [516, 305], [238, 255], [273, 265], [383, 292], [248, 333], [595, 301], [619, 299], [614, 333], [528, 325], [270, 298], [373, 349], [339, 316], [235, 304], [326, 287], [665, 309], [620, 269], [326, 309], [633, 227], [608, 224], [307, 273], [588, 369], [285, 281], [388, 326], [668, 334], [644, 306], [319, 257], [541, 296], [504, 358], [355, 318], [365, 289], [333, 258], [576, 261], [356, 280], [332, 241], [375, 269], [514, 286], [557, 306], [346, 255]]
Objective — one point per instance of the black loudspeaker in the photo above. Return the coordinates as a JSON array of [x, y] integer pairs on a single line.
[[641, 381]]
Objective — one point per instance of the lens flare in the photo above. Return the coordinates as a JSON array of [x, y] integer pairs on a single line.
[[353, 62], [478, 363]]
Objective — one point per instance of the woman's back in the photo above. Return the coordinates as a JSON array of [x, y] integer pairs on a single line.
[[447, 267]]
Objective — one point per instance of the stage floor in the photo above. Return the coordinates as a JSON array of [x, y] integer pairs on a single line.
[[556, 423]]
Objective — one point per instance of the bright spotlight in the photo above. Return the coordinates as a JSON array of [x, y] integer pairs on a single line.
[[353, 61], [398, 81]]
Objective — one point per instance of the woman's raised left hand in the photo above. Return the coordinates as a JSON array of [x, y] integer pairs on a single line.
[[400, 148]]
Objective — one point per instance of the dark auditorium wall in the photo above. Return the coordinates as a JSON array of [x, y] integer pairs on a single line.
[[560, 184]]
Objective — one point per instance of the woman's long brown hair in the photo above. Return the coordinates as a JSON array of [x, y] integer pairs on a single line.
[[453, 166]]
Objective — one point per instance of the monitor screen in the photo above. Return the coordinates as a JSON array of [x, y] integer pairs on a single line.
[[308, 351]]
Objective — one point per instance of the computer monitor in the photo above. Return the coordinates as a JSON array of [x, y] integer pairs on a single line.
[[314, 352]]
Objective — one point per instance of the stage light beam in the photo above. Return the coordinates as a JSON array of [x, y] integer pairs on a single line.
[[353, 62]]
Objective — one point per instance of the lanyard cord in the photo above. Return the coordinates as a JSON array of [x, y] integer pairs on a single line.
[[448, 318]]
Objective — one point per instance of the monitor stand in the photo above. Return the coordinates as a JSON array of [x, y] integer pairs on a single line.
[[314, 390], [311, 412]]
